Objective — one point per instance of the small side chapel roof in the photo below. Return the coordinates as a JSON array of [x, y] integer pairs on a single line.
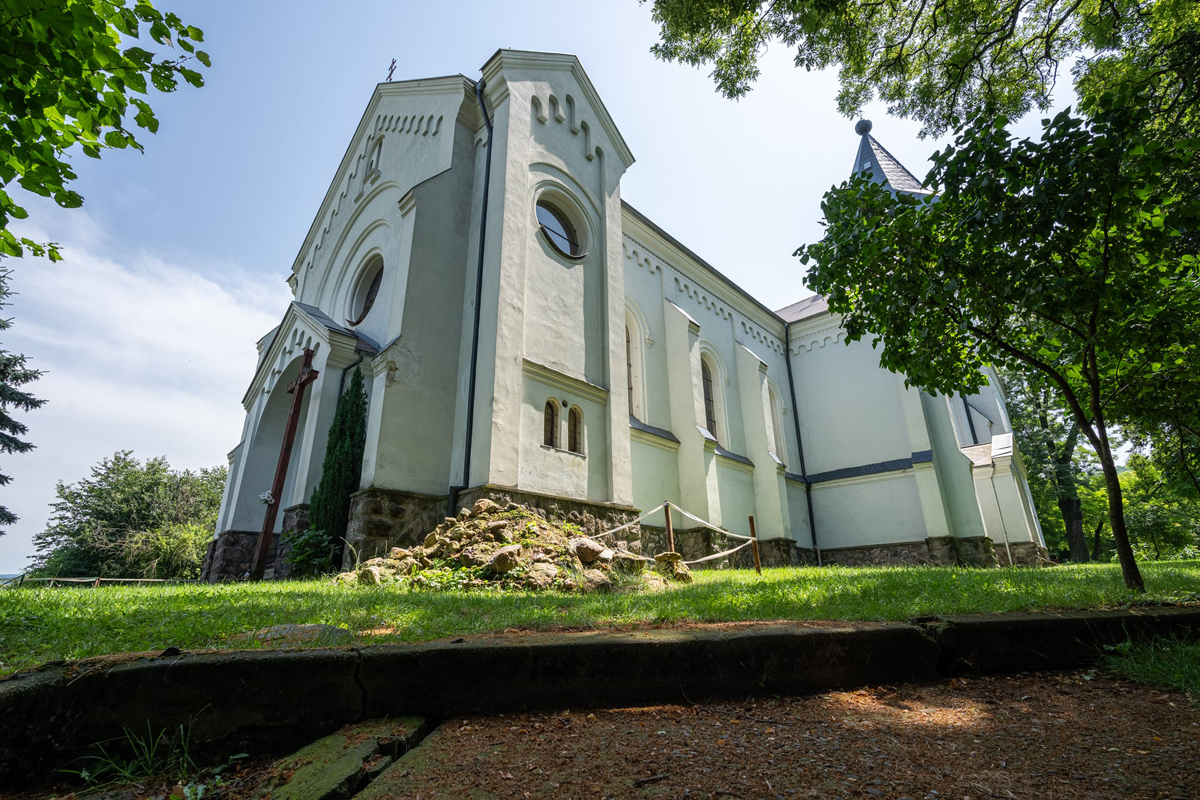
[[884, 167]]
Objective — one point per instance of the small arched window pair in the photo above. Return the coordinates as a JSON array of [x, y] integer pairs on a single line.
[[550, 427]]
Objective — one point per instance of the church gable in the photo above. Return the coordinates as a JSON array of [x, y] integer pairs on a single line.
[[405, 137]]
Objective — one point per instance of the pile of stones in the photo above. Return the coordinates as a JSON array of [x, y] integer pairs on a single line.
[[513, 548]]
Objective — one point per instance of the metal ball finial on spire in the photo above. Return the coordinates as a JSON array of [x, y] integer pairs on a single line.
[[862, 127]]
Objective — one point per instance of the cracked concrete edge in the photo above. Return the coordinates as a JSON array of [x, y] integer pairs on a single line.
[[275, 701]]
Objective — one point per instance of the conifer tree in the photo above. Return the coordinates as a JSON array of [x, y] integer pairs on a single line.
[[321, 545], [13, 374]]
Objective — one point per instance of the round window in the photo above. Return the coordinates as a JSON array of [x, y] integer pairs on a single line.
[[368, 290], [558, 230]]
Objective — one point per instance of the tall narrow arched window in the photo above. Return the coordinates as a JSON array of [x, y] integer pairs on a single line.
[[780, 447], [575, 430], [635, 343], [629, 365], [710, 405], [550, 424]]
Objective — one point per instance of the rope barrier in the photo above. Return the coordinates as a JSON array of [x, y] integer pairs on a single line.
[[709, 524], [649, 513], [715, 556], [748, 540]]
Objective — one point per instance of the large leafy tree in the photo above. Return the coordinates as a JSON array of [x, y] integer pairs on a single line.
[[71, 74], [131, 519], [14, 374], [935, 61], [1061, 256]]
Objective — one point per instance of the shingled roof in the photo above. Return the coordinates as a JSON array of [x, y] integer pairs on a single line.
[[883, 166]]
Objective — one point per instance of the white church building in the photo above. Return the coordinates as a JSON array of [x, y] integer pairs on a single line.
[[527, 335]]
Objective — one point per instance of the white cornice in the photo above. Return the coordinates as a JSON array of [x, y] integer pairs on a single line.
[[567, 383], [686, 265], [638, 435], [532, 60]]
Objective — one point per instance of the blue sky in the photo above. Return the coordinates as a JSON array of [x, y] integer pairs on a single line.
[[177, 261]]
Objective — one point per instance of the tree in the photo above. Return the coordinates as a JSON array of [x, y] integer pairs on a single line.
[[14, 373], [1163, 522], [1049, 443], [320, 546], [1060, 257], [935, 61], [65, 80], [131, 519]]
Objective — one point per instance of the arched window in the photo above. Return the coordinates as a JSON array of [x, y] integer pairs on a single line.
[[629, 365], [575, 430], [635, 343], [550, 424], [776, 418], [710, 404]]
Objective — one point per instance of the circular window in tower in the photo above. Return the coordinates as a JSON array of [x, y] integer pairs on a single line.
[[368, 289], [558, 230]]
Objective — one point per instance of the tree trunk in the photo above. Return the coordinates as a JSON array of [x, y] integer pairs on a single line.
[[1116, 518], [1096, 541], [1072, 514]]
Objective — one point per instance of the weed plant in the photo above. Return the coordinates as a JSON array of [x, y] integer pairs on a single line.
[[1165, 663]]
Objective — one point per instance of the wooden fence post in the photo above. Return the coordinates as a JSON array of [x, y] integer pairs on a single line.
[[670, 528], [754, 547]]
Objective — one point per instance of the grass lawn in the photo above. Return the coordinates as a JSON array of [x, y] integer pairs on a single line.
[[38, 625]]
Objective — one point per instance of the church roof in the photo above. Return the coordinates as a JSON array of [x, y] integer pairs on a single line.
[[803, 309], [884, 167]]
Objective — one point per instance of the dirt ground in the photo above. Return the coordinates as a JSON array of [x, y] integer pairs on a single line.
[[1048, 735]]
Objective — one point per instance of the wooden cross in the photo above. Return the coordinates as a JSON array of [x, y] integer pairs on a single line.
[[296, 390]]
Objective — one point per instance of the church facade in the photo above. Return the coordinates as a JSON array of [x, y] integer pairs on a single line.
[[527, 335]]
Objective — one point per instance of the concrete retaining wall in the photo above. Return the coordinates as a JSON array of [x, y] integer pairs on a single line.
[[276, 701]]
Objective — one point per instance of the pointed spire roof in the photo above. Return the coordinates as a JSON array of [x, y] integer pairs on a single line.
[[883, 166]]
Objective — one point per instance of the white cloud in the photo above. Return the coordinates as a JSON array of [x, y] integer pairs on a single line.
[[139, 353]]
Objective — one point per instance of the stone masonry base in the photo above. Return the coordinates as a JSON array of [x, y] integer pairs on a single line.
[[381, 519]]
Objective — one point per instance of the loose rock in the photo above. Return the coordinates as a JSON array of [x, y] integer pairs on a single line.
[[505, 559], [541, 575], [588, 550], [484, 506]]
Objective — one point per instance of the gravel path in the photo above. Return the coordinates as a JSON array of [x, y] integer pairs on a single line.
[[1048, 735]]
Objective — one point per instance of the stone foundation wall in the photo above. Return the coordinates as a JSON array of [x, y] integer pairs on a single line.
[[877, 555], [976, 551], [1024, 554], [691, 543], [381, 519], [294, 519], [592, 518], [774, 553], [229, 556]]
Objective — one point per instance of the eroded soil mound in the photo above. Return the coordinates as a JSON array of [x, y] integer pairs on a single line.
[[513, 548]]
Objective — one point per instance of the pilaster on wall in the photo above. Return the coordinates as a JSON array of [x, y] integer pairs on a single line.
[[682, 342], [1008, 479], [502, 329], [770, 505], [933, 507], [314, 428]]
